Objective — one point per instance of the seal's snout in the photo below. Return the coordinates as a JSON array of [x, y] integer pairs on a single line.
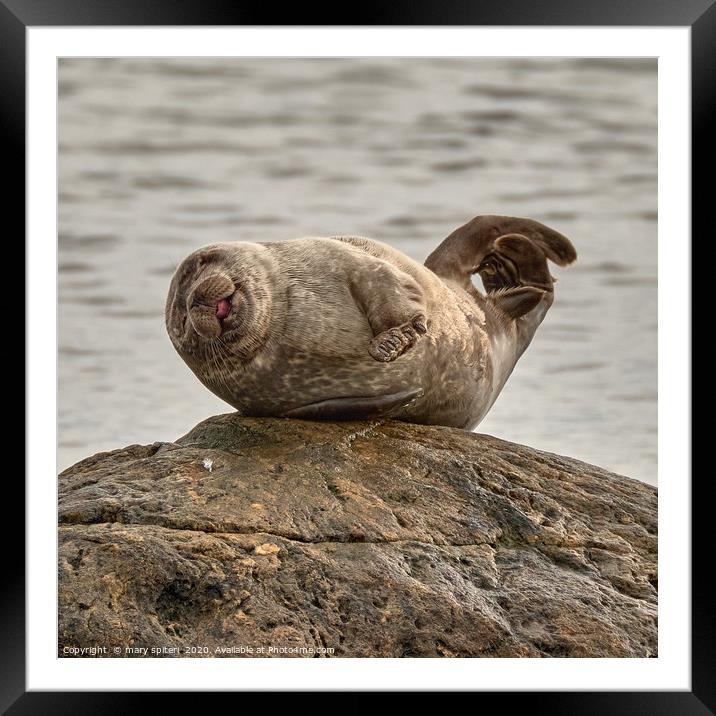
[[209, 290], [210, 304]]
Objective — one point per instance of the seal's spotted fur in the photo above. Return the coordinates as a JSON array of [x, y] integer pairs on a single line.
[[347, 327]]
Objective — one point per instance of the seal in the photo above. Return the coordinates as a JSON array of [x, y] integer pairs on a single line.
[[345, 327]]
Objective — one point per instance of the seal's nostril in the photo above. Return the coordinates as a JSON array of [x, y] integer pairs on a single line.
[[223, 308]]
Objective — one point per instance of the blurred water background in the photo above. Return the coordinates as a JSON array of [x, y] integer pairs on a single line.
[[160, 156]]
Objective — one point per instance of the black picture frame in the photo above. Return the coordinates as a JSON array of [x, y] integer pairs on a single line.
[[699, 15]]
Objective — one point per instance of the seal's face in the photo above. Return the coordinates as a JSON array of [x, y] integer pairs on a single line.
[[218, 306]]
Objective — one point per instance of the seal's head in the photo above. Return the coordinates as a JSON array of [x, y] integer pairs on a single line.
[[219, 305]]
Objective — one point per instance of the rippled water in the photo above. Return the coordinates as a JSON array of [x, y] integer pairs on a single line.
[[158, 157]]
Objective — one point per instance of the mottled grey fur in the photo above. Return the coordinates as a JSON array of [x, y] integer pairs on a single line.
[[347, 327]]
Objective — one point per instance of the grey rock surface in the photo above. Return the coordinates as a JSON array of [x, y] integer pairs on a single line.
[[380, 539]]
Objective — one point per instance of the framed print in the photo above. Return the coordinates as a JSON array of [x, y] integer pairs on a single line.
[[370, 359]]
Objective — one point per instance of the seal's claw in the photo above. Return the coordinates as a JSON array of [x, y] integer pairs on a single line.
[[420, 323], [391, 344]]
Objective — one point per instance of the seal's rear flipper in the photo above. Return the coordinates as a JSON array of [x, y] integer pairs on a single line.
[[460, 255], [515, 261], [355, 408], [515, 302]]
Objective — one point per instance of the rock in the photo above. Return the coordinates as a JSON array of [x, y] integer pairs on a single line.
[[378, 539]]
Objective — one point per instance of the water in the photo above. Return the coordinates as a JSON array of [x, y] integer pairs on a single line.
[[160, 156]]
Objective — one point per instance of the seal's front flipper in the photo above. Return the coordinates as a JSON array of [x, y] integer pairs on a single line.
[[394, 305], [359, 407]]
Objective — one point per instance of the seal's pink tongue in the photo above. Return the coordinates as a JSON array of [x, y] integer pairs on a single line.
[[223, 308]]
